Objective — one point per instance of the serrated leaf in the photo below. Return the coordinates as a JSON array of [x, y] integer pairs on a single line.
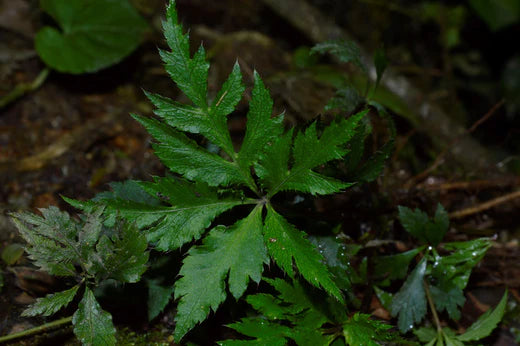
[[184, 156], [261, 128], [336, 257], [92, 325], [410, 302], [239, 251], [124, 256], [190, 75], [456, 267], [309, 151], [394, 267], [287, 244], [345, 51], [414, 222], [448, 297], [88, 41], [360, 330], [51, 303], [50, 240], [417, 223], [486, 323], [425, 334], [267, 305], [158, 297], [265, 332], [192, 208]]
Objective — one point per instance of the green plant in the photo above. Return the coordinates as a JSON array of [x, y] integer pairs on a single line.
[[95, 34], [438, 279], [178, 209], [87, 252], [208, 177]]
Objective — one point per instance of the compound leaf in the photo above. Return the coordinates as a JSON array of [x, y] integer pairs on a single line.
[[192, 208], [184, 156], [51, 303], [92, 325], [309, 151], [285, 244], [448, 297], [88, 41], [238, 251], [410, 302]]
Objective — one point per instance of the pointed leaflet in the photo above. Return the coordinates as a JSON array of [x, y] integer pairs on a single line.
[[158, 297], [486, 323], [92, 325], [184, 156], [212, 122], [239, 251], [192, 208], [285, 244], [51, 240], [265, 333], [363, 331], [51, 303], [448, 297], [261, 128], [410, 302], [190, 75], [309, 151]]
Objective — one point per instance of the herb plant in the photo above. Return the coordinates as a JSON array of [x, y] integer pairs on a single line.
[[178, 209], [209, 176], [88, 253]]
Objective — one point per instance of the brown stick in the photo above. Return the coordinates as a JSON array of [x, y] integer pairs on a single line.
[[484, 206]]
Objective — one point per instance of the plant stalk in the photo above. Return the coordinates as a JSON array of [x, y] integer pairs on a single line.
[[432, 307], [36, 330], [23, 88]]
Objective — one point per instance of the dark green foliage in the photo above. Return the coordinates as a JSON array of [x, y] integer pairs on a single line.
[[179, 209], [418, 224], [296, 306], [95, 34], [89, 252]]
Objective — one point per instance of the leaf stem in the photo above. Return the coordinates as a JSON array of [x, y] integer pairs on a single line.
[[432, 307], [36, 330], [23, 88]]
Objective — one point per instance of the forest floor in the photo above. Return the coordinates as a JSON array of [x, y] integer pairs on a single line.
[[74, 135]]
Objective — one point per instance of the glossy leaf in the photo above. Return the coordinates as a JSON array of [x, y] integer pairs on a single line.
[[486, 323], [363, 331], [238, 252], [409, 304], [287, 244]]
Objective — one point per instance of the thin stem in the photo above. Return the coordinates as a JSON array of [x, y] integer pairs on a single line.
[[36, 330], [22, 89], [432, 307]]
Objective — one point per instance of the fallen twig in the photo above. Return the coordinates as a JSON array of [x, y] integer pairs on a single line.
[[484, 206]]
